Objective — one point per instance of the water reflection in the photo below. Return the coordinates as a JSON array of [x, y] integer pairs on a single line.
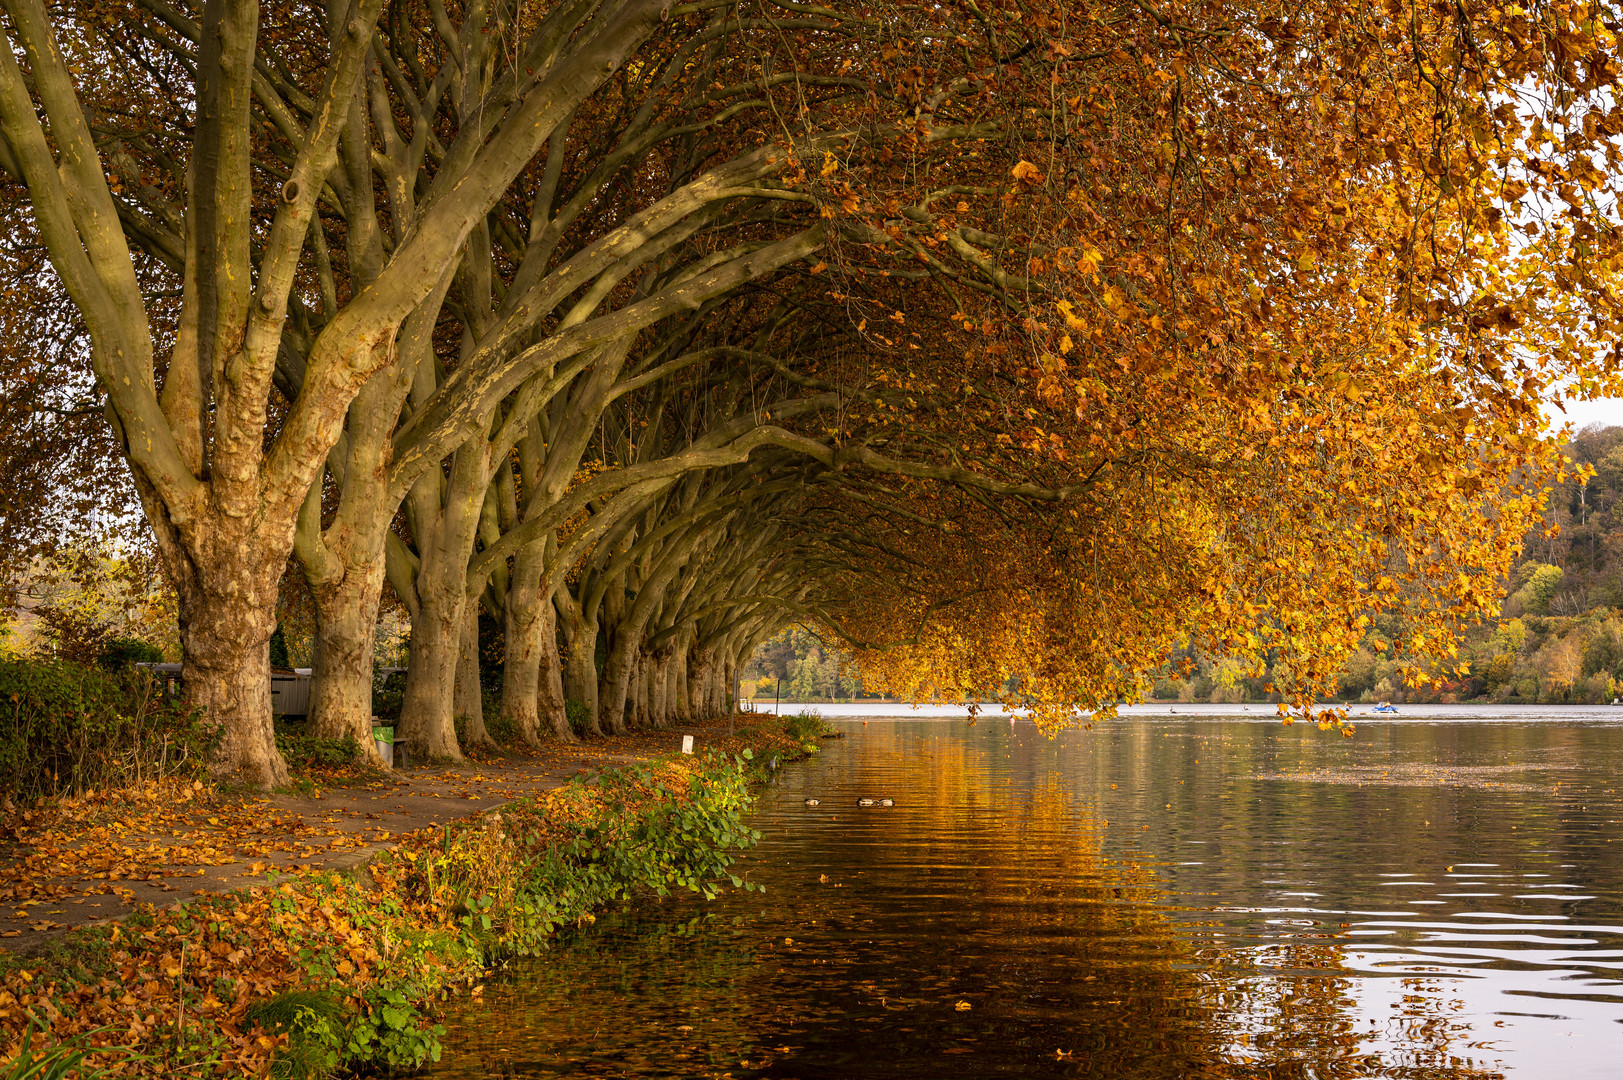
[[1162, 897]]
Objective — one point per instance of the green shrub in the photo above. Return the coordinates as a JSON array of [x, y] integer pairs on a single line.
[[577, 714], [805, 726], [71, 727], [500, 728], [306, 751], [121, 653]]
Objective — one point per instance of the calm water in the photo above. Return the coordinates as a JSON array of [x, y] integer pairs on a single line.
[[1169, 895]]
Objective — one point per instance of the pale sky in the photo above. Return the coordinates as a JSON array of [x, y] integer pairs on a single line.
[[1608, 411]]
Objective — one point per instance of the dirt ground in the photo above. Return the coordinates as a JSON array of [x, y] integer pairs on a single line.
[[103, 855]]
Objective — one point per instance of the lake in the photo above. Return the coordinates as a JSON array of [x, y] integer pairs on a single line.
[[1194, 893]]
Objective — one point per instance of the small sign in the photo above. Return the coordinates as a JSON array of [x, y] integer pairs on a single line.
[[687, 744]]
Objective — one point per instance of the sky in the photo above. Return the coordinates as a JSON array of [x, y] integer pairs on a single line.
[[1608, 411]]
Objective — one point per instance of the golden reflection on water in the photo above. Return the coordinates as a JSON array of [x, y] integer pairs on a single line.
[[1014, 914]]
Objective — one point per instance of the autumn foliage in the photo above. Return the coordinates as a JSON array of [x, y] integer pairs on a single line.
[[1294, 284]]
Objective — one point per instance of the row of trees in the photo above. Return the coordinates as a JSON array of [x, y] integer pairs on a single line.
[[994, 340], [1568, 659]]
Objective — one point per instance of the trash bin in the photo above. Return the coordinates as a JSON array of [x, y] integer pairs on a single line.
[[384, 737]]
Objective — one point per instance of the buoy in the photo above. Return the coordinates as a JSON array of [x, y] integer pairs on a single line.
[[814, 802]]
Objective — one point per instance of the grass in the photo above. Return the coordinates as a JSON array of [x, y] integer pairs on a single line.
[[66, 1059], [805, 726], [308, 1018]]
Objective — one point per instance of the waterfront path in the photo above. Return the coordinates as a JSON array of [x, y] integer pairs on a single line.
[[98, 858]]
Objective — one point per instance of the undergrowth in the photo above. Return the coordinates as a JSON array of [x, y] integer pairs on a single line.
[[311, 751], [67, 727]]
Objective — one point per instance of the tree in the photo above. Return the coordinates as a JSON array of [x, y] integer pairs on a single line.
[[341, 180], [1560, 666]]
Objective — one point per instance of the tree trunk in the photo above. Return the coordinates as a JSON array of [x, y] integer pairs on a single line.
[[639, 691], [226, 576], [553, 714], [681, 702], [425, 711], [444, 522], [613, 688], [699, 682], [716, 677], [344, 564], [612, 681], [675, 711], [525, 628], [468, 700], [580, 669], [341, 683], [654, 690], [226, 669]]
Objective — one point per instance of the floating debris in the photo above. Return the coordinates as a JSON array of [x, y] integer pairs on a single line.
[[1407, 774]]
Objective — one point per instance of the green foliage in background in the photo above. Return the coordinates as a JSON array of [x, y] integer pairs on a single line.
[[278, 649], [122, 653], [388, 691], [808, 668]]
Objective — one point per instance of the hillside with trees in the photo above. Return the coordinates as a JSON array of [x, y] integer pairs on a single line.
[[800, 666], [1575, 563]]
